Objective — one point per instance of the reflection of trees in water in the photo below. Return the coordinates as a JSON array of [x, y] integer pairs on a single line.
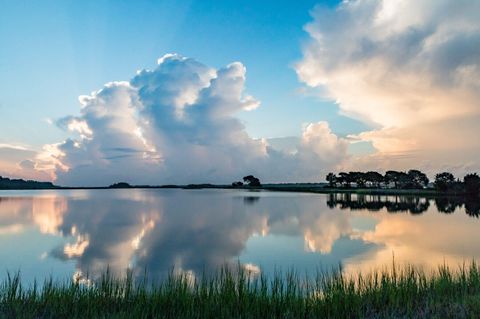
[[448, 205], [393, 204], [414, 205], [250, 200], [472, 206]]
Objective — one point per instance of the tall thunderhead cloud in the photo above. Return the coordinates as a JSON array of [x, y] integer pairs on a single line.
[[410, 69], [177, 124]]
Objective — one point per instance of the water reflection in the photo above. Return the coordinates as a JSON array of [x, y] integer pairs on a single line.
[[393, 204], [411, 204], [472, 206], [199, 230], [250, 200], [45, 212], [449, 205]]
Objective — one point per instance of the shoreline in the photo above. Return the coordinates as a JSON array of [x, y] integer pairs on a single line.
[[300, 188]]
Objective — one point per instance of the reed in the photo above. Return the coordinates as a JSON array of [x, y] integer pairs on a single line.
[[397, 292]]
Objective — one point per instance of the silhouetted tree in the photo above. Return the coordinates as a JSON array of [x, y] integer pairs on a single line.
[[403, 180], [237, 184], [252, 181], [7, 183], [392, 177], [444, 181], [417, 178], [340, 180], [331, 179], [345, 178], [472, 184], [358, 177], [120, 185], [374, 177]]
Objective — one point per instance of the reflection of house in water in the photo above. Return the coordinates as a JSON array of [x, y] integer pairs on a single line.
[[393, 204]]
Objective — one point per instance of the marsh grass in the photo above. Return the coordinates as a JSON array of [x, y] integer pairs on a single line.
[[399, 292]]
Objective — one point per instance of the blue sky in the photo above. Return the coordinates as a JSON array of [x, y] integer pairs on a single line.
[[354, 85], [54, 51]]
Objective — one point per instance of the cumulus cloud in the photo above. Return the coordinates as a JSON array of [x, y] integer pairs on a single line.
[[20, 161], [177, 124], [409, 69], [318, 139]]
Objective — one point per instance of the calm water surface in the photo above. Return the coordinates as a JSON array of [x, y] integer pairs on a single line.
[[63, 233]]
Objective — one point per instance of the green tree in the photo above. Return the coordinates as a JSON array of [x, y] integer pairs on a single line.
[[374, 177], [392, 177], [444, 181], [403, 180], [358, 177], [345, 178], [417, 178], [331, 179], [472, 184], [252, 181]]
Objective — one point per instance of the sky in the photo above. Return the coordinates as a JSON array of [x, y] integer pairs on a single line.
[[95, 92]]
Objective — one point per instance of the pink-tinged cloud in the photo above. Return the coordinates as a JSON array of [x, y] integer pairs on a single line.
[[410, 69], [20, 161]]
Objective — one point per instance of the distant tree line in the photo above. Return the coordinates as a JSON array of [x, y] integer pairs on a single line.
[[7, 183], [413, 179], [446, 182]]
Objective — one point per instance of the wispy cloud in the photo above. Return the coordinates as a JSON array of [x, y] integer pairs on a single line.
[[14, 147]]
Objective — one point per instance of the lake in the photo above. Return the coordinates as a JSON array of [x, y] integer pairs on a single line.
[[66, 233]]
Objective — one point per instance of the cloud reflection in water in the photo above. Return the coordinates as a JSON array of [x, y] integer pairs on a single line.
[[200, 230]]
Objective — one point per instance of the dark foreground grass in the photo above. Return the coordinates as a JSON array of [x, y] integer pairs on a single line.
[[398, 293]]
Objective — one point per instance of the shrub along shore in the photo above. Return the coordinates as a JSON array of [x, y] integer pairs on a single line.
[[412, 182], [399, 292]]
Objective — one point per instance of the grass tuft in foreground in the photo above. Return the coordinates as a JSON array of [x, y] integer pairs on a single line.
[[405, 292]]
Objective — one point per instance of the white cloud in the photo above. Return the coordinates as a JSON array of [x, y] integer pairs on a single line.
[[319, 139], [13, 147], [177, 124], [410, 69]]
